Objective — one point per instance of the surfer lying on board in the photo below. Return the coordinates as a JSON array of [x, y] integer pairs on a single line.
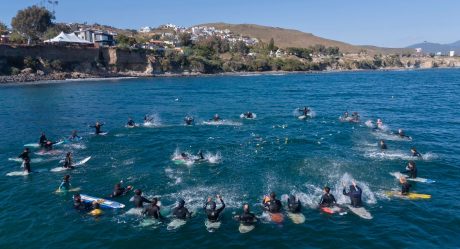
[[188, 120], [68, 161], [153, 210], [327, 199], [79, 205], [304, 111], [130, 122], [98, 127], [383, 145], [74, 136], [405, 186], [415, 153], [65, 184], [212, 213], [118, 190], [411, 169], [271, 204], [294, 204], [246, 218], [354, 193], [138, 199], [181, 212], [42, 140], [401, 134]]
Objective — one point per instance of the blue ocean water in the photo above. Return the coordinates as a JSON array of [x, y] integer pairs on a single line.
[[249, 158]]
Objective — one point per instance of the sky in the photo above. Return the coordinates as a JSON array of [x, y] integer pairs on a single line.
[[386, 23]]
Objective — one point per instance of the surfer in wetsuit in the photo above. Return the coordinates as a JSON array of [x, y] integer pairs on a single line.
[[294, 204], [271, 204], [25, 154], [98, 127], [216, 118], [304, 111], [74, 135], [42, 140], [181, 212], [188, 120], [212, 213], [118, 190], [49, 145], [68, 161], [79, 205], [411, 169], [65, 184], [184, 156], [200, 155], [355, 117], [26, 165], [354, 193], [415, 153], [246, 218], [383, 145], [248, 115], [401, 134], [148, 119], [405, 186], [153, 210], [131, 122], [138, 199], [327, 199]]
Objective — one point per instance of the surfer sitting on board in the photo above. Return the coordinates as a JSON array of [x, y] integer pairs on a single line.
[[212, 213], [65, 184], [415, 153], [138, 199], [74, 135], [68, 161], [98, 127], [411, 169], [216, 118], [188, 120], [294, 204], [383, 145], [153, 210], [405, 186], [42, 140], [130, 122], [181, 212], [271, 204], [79, 205], [327, 199], [246, 218], [354, 193], [304, 111], [248, 115], [118, 190]]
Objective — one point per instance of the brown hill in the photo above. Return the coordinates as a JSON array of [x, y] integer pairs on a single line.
[[293, 38]]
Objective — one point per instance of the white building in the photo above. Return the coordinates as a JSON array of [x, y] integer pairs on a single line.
[[451, 53], [145, 29], [418, 50]]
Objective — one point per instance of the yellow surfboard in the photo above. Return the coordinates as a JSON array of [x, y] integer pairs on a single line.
[[410, 196]]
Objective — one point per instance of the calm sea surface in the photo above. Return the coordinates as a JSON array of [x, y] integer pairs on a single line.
[[249, 158]]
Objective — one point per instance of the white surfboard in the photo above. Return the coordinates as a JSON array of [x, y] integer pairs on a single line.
[[212, 226], [135, 211], [361, 212], [397, 175], [101, 201], [245, 228], [33, 145], [79, 163], [19, 160], [175, 224], [18, 173], [302, 117], [297, 218]]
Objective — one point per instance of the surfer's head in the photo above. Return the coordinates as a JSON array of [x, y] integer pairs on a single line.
[[137, 192], [69, 153], [272, 195], [181, 203], [402, 179], [77, 197], [154, 201], [212, 205], [327, 190], [246, 208], [96, 205], [66, 178], [411, 164]]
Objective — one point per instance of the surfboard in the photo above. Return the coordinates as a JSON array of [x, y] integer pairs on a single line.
[[135, 211], [212, 226], [361, 212], [18, 173], [175, 224], [277, 217], [297, 218], [19, 160], [102, 133], [245, 228], [302, 117], [79, 163], [102, 202], [69, 190], [410, 196], [48, 153], [149, 222], [417, 179], [33, 145]]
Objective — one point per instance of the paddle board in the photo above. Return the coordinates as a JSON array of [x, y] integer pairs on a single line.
[[102, 202], [59, 169], [245, 228], [297, 218], [361, 212], [410, 196], [417, 179], [212, 226], [175, 224]]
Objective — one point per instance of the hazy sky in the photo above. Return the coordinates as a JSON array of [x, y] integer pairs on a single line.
[[389, 23]]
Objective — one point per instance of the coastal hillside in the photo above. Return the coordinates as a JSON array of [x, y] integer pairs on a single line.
[[430, 47], [294, 38]]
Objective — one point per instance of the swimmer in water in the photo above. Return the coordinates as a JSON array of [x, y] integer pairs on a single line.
[[181, 212], [97, 128], [405, 186], [68, 161], [118, 190], [188, 120], [354, 193], [246, 218], [271, 204], [345, 115], [65, 184], [414, 152], [294, 204], [213, 212], [96, 209], [153, 210], [79, 205], [216, 118], [383, 145], [42, 140], [411, 169], [327, 199], [138, 199], [74, 135], [130, 122]]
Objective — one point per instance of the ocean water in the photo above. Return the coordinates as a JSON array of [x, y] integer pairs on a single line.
[[247, 158]]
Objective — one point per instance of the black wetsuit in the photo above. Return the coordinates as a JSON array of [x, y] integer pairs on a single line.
[[152, 211], [119, 192], [294, 206], [411, 171], [139, 201], [273, 206], [383, 146], [355, 195], [188, 121], [213, 215], [416, 154], [98, 128], [246, 218], [42, 140], [405, 187], [131, 123], [327, 200], [181, 212], [82, 206], [24, 155], [48, 146], [68, 163], [27, 165]]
